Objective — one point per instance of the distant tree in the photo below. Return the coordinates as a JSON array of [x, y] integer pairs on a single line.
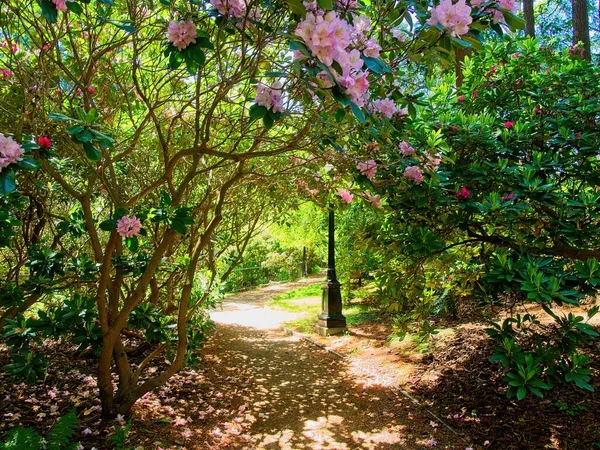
[[529, 18], [581, 26]]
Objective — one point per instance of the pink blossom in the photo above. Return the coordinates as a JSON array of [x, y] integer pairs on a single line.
[[10, 151], [371, 48], [374, 200], [86, 432], [182, 33], [461, 98], [270, 98], [433, 424], [61, 5], [5, 73], [235, 8], [406, 149], [507, 197], [433, 161], [455, 17], [310, 6], [399, 34], [463, 193], [368, 168], [91, 90], [432, 443], [508, 4], [345, 195], [508, 124], [414, 173], [357, 88], [186, 434], [385, 106], [129, 226]]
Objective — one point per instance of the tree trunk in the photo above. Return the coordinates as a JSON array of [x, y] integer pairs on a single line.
[[581, 26], [529, 18]]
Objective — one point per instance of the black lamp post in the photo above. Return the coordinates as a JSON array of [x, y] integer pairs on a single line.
[[331, 320]]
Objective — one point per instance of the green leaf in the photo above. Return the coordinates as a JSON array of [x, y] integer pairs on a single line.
[[91, 152], [203, 42], [74, 7], [62, 431], [49, 10], [132, 243], [257, 111], [376, 65], [326, 5], [297, 7], [521, 393], [108, 225], [460, 43], [178, 225], [514, 22], [175, 59], [107, 2], [28, 164], [59, 117], [7, 182], [268, 120], [358, 113]]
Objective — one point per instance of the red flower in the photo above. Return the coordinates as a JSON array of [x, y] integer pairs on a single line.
[[92, 90], [44, 142], [508, 124], [464, 193], [461, 98]]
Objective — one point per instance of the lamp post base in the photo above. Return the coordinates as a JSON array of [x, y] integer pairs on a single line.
[[325, 331]]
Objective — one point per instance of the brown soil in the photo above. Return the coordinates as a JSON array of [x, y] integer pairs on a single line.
[[256, 388]]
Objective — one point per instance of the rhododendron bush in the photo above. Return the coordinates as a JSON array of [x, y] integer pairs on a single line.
[[142, 141], [491, 192]]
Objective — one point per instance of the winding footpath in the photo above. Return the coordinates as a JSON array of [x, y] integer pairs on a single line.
[[291, 394]]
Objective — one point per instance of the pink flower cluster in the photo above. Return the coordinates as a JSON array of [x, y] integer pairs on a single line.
[[497, 16], [61, 5], [385, 106], [181, 33], [10, 151], [367, 168], [456, 17], [270, 97], [373, 199], [235, 8], [345, 195], [129, 226], [406, 149], [332, 39], [414, 174]]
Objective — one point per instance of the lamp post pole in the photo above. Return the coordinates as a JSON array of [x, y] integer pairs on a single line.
[[331, 320]]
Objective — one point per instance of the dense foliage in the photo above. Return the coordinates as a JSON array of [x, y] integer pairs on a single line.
[[492, 193]]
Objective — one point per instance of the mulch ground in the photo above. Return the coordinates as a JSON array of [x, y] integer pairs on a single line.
[[456, 380], [259, 389]]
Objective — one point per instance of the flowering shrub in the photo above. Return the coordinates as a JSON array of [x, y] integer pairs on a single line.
[[513, 193], [148, 115]]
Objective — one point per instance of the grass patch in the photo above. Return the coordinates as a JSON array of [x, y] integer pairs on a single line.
[[310, 290], [286, 301], [356, 313]]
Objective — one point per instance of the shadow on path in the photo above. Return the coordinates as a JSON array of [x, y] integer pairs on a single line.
[[289, 394]]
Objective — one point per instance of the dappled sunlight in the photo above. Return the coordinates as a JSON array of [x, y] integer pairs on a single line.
[[278, 392]]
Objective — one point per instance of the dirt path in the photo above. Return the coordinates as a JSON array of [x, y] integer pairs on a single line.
[[289, 394]]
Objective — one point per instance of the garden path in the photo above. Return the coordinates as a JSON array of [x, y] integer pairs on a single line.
[[294, 395]]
